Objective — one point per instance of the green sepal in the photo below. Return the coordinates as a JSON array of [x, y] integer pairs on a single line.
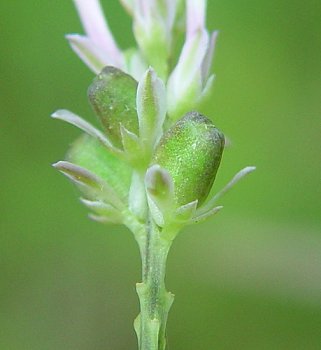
[[160, 194], [113, 98]]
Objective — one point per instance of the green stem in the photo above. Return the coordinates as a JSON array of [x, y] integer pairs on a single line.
[[155, 301]]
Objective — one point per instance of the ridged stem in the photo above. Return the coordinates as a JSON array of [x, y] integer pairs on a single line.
[[155, 301]]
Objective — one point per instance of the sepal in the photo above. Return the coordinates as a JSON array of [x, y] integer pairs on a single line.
[[113, 98], [186, 212], [205, 215], [103, 211], [151, 108], [160, 194], [97, 30], [130, 141], [74, 119], [210, 206], [93, 186]]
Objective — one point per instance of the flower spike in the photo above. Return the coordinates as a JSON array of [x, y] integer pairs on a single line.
[[153, 165]]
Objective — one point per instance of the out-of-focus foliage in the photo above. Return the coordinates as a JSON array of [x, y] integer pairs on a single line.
[[250, 278]]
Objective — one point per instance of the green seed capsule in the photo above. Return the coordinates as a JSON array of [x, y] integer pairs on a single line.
[[113, 98], [191, 152]]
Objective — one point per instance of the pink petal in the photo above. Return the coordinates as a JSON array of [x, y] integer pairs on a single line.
[[88, 52], [195, 16], [96, 27]]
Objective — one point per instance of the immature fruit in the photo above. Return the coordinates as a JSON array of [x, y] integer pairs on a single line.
[[113, 98], [191, 152]]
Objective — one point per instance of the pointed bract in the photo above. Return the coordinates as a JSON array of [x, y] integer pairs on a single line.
[[205, 215], [92, 184], [151, 107], [83, 125], [239, 176], [160, 193]]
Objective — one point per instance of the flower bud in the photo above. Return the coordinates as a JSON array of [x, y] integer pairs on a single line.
[[191, 152], [113, 98]]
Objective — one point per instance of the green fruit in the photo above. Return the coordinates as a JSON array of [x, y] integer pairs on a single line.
[[191, 152], [113, 98]]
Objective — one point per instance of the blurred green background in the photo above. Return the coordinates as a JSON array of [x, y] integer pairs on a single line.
[[250, 278]]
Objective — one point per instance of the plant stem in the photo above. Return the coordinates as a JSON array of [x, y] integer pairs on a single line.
[[155, 301]]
